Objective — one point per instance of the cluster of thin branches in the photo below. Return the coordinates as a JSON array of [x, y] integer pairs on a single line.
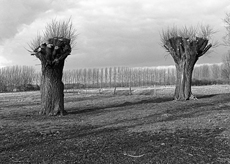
[[53, 29], [36, 42], [187, 32]]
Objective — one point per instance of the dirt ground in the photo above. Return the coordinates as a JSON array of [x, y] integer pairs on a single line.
[[147, 127]]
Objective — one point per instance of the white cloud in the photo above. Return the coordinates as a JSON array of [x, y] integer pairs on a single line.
[[3, 61], [13, 14], [111, 32]]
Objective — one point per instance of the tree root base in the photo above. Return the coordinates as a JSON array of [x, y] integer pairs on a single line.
[[192, 97], [59, 113]]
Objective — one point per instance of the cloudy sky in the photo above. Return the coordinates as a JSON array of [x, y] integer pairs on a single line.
[[110, 32]]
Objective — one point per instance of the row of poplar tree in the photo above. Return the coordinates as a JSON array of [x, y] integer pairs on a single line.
[[13, 78], [142, 76]]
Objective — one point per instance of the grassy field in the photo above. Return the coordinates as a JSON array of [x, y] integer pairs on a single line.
[[147, 127]]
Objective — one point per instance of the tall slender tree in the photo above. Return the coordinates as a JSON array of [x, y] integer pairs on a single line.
[[226, 59], [227, 27], [226, 67], [52, 48], [186, 46]]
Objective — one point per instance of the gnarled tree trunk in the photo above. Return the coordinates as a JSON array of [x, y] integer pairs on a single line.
[[184, 78], [52, 56], [52, 96], [185, 53]]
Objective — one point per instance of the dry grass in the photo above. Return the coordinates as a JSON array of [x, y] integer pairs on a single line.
[[146, 127]]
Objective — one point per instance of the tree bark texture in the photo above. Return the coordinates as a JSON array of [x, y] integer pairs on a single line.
[[52, 56], [185, 53]]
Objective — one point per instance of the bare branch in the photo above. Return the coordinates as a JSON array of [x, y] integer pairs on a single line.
[[191, 33], [206, 32], [35, 43], [188, 32], [194, 35], [59, 29], [205, 50]]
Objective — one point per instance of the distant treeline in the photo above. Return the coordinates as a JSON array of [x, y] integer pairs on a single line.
[[24, 78], [18, 78], [141, 76]]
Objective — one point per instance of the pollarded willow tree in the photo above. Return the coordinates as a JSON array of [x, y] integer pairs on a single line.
[[186, 46], [52, 48]]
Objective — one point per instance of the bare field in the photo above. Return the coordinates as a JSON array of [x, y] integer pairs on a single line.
[[145, 127]]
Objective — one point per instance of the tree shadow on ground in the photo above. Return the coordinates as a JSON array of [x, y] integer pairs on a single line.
[[98, 108], [156, 118], [167, 115], [182, 113], [205, 96], [124, 104]]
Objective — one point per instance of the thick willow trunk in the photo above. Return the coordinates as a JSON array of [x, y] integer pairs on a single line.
[[52, 90], [52, 56], [184, 81], [185, 52]]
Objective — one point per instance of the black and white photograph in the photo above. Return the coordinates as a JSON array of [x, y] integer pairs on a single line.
[[114, 82]]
